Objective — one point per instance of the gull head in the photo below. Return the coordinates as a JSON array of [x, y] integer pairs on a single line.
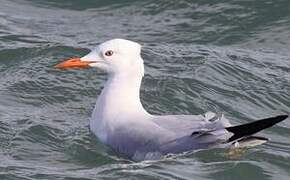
[[116, 56]]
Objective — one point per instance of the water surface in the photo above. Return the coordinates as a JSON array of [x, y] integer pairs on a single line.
[[222, 56]]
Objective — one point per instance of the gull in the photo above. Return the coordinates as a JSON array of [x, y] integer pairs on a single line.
[[120, 121]]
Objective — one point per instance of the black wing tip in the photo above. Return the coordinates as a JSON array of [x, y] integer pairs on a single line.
[[254, 127], [282, 117], [279, 118]]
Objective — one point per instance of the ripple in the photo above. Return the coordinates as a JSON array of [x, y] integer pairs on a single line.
[[226, 56]]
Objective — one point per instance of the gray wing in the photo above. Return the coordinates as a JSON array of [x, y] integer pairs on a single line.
[[168, 134], [193, 131], [188, 124]]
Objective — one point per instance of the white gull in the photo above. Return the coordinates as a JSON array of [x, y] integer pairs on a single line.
[[120, 121]]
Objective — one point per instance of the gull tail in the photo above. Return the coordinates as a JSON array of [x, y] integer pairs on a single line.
[[250, 141], [242, 133]]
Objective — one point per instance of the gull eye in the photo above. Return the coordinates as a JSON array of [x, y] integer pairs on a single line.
[[109, 53]]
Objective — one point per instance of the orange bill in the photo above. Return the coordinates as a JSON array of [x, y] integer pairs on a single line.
[[73, 63]]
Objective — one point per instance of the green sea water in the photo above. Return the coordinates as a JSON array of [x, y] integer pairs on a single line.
[[205, 55]]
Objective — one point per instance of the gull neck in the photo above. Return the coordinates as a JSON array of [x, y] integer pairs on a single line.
[[120, 96]]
